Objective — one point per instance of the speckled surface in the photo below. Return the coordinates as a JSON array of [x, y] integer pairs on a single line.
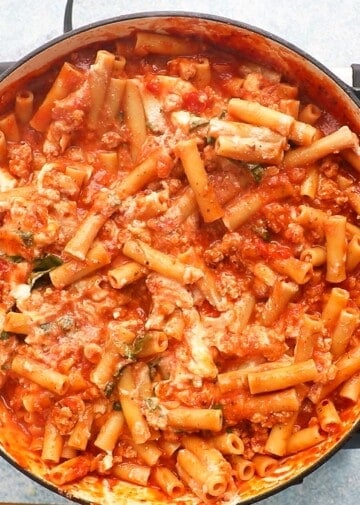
[[326, 29]]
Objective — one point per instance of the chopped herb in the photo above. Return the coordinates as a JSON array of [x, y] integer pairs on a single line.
[[137, 346], [15, 258], [257, 171], [66, 322], [117, 406], [222, 114], [263, 232], [4, 335], [152, 404], [217, 406], [109, 388], [27, 237], [46, 327], [42, 267], [153, 364], [46, 263], [196, 121], [210, 141]]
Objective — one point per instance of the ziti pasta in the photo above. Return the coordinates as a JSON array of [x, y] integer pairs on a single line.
[[179, 269]]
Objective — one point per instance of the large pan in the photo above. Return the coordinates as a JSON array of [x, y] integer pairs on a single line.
[[320, 85]]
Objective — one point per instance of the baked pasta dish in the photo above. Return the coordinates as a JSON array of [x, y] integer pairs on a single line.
[[179, 255]]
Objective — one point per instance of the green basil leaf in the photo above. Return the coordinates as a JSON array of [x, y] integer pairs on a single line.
[[42, 267], [15, 258], [46, 263], [257, 171], [27, 237], [196, 121]]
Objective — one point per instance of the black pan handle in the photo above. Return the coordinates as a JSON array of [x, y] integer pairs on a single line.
[[68, 22], [356, 78], [5, 65]]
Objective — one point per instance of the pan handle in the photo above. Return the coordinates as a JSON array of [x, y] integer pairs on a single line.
[[5, 65], [68, 21], [356, 78]]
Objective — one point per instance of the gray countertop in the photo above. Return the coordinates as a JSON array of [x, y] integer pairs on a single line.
[[326, 29]]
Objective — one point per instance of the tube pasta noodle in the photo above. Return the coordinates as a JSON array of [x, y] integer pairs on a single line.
[[109, 160], [352, 158], [99, 80], [134, 418], [232, 380], [68, 79], [10, 128], [289, 106], [303, 133], [201, 70], [114, 95], [80, 435], [155, 43], [195, 172], [3, 147], [212, 483], [134, 117], [339, 140], [264, 465], [347, 365], [168, 482], [282, 378], [179, 271], [105, 368], [110, 431], [337, 300], [228, 443], [314, 255], [40, 374], [279, 298], [310, 113], [310, 185], [299, 271], [249, 150], [335, 232], [304, 347], [241, 209], [130, 472], [24, 103], [16, 322], [73, 270], [139, 177], [195, 419], [303, 439], [328, 416], [346, 324], [243, 468], [79, 245], [254, 113], [316, 218], [351, 389], [149, 452], [353, 253], [247, 406], [160, 262], [279, 436], [154, 342], [52, 444], [70, 470], [126, 273]]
